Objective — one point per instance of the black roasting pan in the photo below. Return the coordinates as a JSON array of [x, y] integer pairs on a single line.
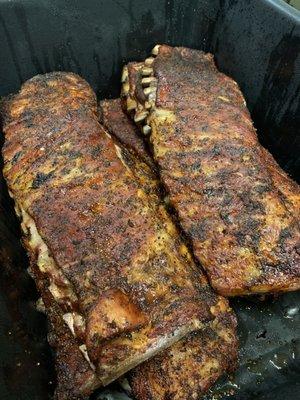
[[257, 42]]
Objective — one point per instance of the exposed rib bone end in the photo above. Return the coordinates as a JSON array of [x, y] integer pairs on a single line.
[[124, 77], [141, 107], [155, 50]]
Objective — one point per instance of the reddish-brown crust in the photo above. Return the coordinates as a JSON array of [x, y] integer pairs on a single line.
[[287, 188], [121, 126], [234, 203], [96, 207], [189, 368], [75, 378], [193, 364]]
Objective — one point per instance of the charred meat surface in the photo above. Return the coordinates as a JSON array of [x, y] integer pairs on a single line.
[[188, 368], [122, 281], [75, 377], [239, 210], [121, 126]]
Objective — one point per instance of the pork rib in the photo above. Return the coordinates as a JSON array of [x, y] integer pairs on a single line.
[[118, 124], [188, 368], [239, 210], [121, 279]]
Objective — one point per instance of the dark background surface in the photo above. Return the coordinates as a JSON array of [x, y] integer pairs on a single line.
[[256, 42]]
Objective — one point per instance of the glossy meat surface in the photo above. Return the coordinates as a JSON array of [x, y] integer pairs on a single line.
[[238, 209], [188, 368], [121, 278]]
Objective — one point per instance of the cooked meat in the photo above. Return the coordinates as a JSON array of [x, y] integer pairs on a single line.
[[120, 125], [121, 279], [75, 377], [235, 205], [288, 189], [188, 368]]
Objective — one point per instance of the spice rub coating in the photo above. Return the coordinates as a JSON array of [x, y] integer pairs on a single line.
[[121, 126], [239, 210], [187, 369], [96, 228], [191, 366]]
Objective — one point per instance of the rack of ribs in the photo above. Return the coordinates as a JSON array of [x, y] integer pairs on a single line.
[[117, 282], [237, 208], [188, 368]]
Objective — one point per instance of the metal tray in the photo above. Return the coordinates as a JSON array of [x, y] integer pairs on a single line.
[[256, 42]]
